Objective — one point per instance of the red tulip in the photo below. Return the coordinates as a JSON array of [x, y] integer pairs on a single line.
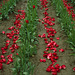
[[3, 51], [49, 55], [55, 54], [42, 22], [6, 47], [8, 41], [51, 39], [9, 56], [53, 19], [1, 66], [10, 60], [39, 20], [2, 48], [33, 6], [54, 73], [57, 66], [39, 35], [53, 70], [46, 42], [17, 54], [74, 69], [44, 60], [61, 50], [57, 38], [43, 36], [46, 9], [27, 21], [45, 39], [3, 32], [47, 49], [48, 69], [2, 56], [54, 50], [8, 63], [40, 60], [63, 66], [4, 60], [12, 50]]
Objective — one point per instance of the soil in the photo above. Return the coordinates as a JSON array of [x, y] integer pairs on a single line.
[[40, 67], [64, 58], [4, 25]]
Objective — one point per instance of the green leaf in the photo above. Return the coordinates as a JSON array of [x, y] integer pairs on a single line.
[[25, 73]]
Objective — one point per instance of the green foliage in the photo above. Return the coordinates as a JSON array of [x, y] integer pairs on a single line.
[[66, 22], [6, 8], [72, 1], [28, 40]]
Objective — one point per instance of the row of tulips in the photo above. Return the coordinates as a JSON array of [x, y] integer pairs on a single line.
[[27, 41], [9, 44], [7, 6], [50, 52], [67, 20]]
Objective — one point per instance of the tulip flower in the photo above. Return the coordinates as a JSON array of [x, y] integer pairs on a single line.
[[2, 56], [39, 35], [48, 69], [3, 32], [63, 66], [27, 21], [57, 38], [74, 69], [1, 66], [41, 60], [61, 50], [8, 41], [44, 60], [46, 9], [4, 60], [33, 6]]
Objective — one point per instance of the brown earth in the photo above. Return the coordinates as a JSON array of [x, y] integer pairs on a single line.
[[4, 25], [40, 69], [64, 58]]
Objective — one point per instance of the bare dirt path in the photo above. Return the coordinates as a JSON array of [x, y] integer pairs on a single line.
[[4, 25], [64, 58]]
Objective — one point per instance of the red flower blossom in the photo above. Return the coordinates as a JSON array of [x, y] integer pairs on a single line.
[[33, 6], [48, 69], [39, 35], [40, 60], [17, 54], [4, 60], [3, 32], [57, 38], [47, 49], [44, 60], [74, 69], [46, 9], [63, 66], [2, 56], [1, 66], [61, 50], [8, 41], [27, 21]]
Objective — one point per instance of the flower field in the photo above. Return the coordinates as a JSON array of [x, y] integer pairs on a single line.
[[37, 37]]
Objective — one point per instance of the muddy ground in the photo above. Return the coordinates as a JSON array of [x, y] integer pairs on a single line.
[[40, 69], [4, 25]]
